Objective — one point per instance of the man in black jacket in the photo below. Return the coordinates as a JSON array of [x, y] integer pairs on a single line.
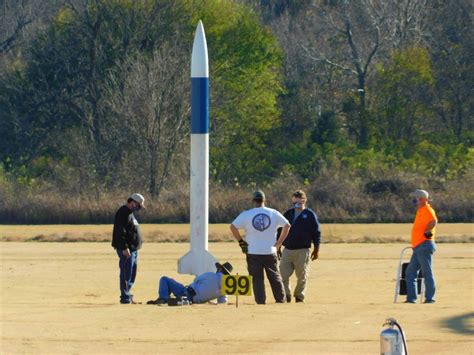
[[296, 256], [127, 240]]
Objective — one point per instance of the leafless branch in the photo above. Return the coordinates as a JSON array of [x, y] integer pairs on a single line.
[[325, 60]]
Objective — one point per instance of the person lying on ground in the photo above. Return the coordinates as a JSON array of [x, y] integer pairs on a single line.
[[204, 288]]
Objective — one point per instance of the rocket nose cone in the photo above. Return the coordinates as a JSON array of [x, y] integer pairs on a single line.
[[199, 60], [200, 27]]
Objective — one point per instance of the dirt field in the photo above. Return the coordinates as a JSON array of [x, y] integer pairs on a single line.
[[63, 298], [334, 233]]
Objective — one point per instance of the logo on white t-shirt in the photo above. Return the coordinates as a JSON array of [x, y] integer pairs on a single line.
[[261, 222]]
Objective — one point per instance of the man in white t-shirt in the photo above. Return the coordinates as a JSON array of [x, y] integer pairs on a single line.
[[261, 224]]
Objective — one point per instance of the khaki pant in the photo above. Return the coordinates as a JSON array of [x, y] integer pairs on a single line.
[[298, 261]]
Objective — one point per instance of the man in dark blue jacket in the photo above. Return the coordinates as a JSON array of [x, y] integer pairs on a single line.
[[296, 256]]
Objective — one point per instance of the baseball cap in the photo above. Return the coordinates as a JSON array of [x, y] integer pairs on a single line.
[[420, 194], [226, 267], [259, 195], [138, 198]]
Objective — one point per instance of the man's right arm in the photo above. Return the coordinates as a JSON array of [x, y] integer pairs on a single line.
[[284, 234], [235, 233], [242, 243]]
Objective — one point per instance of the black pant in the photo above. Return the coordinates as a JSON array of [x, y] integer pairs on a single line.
[[256, 264]]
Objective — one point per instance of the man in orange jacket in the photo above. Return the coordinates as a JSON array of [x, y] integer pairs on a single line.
[[422, 242]]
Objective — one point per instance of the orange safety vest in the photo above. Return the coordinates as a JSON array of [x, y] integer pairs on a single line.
[[424, 215]]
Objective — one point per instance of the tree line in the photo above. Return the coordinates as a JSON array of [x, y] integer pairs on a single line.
[[377, 95]]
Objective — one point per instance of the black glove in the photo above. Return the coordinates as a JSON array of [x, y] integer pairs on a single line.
[[244, 246], [428, 234]]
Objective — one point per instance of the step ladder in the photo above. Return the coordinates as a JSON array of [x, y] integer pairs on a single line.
[[401, 284]]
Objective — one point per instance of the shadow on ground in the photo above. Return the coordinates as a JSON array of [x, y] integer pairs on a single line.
[[462, 324]]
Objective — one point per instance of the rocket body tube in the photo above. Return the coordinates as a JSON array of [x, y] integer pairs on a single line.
[[198, 260]]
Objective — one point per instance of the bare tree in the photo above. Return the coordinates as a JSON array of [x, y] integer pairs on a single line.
[[20, 22], [407, 22], [341, 40], [154, 107], [330, 50], [352, 33], [451, 44], [22, 19]]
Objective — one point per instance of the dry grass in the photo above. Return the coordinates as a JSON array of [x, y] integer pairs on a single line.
[[337, 196], [158, 233]]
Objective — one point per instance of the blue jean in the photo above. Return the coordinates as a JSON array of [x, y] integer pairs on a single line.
[[422, 258], [170, 286], [128, 273]]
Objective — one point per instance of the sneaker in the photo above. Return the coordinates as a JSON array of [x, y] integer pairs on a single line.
[[158, 301], [173, 302], [126, 300], [409, 301], [299, 300], [429, 301]]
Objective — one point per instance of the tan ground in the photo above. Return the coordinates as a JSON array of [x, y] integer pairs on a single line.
[[63, 298], [335, 233]]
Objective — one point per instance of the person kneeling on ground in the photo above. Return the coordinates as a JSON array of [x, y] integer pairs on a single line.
[[204, 288]]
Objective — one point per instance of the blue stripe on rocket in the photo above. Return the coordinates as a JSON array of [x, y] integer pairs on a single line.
[[199, 105]]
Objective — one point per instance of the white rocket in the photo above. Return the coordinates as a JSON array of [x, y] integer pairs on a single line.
[[198, 260]]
